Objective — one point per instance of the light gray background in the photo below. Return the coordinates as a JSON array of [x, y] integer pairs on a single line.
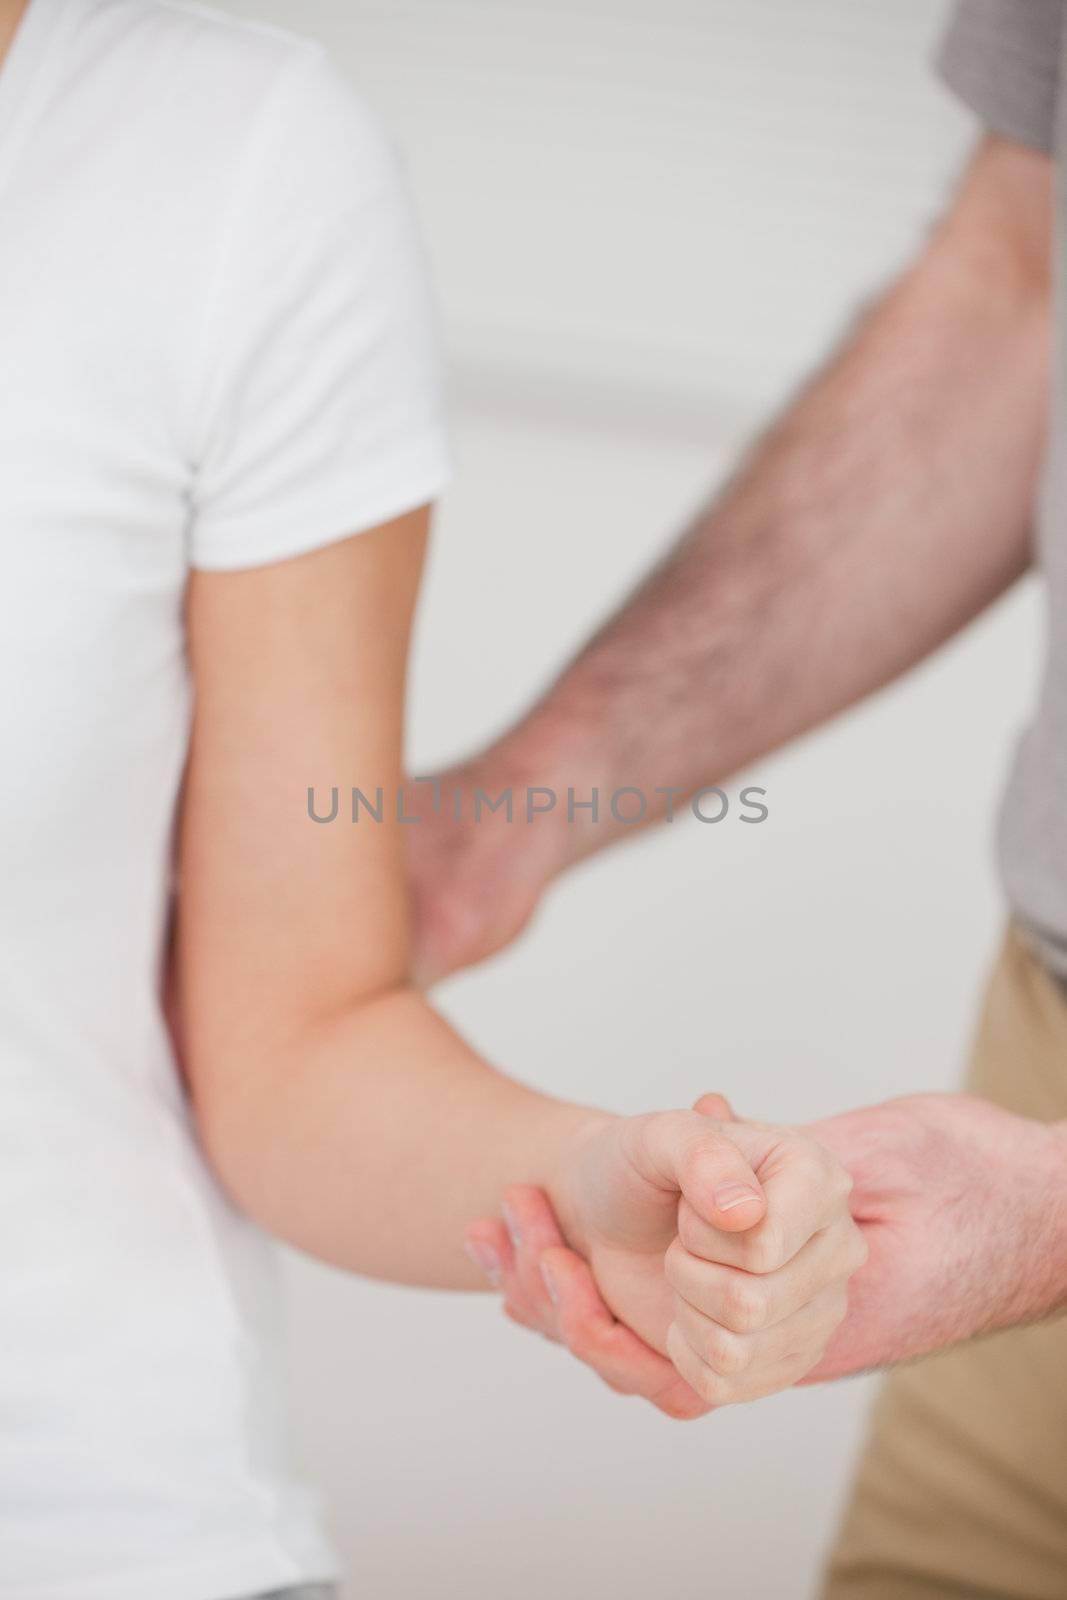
[[646, 218]]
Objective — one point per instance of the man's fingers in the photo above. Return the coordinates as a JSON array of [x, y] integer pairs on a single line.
[[614, 1352], [744, 1302], [754, 1356], [726, 1368], [806, 1189], [686, 1152]]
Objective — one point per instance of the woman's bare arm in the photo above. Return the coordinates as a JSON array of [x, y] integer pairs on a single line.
[[337, 1107]]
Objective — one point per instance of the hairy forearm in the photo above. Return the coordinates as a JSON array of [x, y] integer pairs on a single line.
[[964, 1208], [1039, 1288], [370, 1140], [1043, 1293], [1008, 1262], [887, 507]]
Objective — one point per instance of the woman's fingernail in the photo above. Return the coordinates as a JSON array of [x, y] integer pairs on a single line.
[[550, 1283], [511, 1222], [485, 1258], [733, 1194]]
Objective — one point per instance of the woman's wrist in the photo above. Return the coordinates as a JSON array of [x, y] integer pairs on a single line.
[[579, 1128]]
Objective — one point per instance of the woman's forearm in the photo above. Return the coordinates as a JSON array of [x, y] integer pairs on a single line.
[[336, 1106], [371, 1139]]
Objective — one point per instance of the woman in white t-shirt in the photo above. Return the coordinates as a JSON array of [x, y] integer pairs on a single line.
[[220, 431]]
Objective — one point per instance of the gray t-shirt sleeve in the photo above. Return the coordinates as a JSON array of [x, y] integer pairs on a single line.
[[1002, 57]]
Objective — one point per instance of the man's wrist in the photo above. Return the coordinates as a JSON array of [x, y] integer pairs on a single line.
[[551, 763]]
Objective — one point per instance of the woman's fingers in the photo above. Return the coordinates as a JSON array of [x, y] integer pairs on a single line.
[[509, 1266], [487, 1245], [508, 1252], [551, 1290], [613, 1351], [532, 1229]]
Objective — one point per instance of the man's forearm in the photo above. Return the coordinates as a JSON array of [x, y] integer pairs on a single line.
[[964, 1206], [1040, 1289], [887, 507]]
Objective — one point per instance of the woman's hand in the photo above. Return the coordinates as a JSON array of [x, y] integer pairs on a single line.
[[669, 1271]]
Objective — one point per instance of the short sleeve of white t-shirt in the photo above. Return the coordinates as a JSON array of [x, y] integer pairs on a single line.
[[317, 394]]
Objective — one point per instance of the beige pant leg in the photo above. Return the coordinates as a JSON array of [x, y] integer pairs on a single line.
[[962, 1487]]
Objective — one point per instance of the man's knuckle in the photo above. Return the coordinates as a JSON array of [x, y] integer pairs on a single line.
[[822, 1169], [804, 1154], [676, 1264], [838, 1185], [764, 1249], [757, 1256], [814, 1161], [728, 1354], [829, 1177], [692, 1231], [744, 1304], [712, 1387]]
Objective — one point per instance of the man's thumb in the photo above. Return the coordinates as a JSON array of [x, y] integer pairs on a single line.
[[712, 1175], [722, 1188]]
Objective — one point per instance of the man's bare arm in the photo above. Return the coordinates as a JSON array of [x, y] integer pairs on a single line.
[[887, 507]]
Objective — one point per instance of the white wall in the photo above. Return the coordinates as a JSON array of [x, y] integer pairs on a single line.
[[647, 216]]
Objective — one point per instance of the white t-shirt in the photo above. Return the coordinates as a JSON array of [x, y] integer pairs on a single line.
[[216, 351]]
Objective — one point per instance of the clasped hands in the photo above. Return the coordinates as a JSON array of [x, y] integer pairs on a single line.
[[699, 1260], [687, 1257]]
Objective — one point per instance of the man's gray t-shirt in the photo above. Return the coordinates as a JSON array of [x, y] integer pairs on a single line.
[[1005, 59]]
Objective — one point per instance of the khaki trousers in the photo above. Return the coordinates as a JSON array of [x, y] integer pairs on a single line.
[[962, 1487]]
